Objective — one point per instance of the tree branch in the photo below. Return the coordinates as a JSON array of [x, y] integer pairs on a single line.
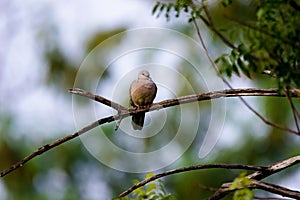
[[266, 121], [186, 169], [210, 24], [100, 99], [258, 175], [295, 112], [97, 98], [275, 189], [49, 146], [156, 106], [295, 5], [277, 167], [261, 172]]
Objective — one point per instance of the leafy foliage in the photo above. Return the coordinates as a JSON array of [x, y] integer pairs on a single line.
[[161, 7], [178, 7], [239, 60], [154, 191], [270, 43], [258, 40], [241, 184]]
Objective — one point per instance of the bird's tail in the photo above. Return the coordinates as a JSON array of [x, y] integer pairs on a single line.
[[138, 121]]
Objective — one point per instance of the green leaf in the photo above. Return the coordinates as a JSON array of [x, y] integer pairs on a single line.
[[244, 194], [226, 3], [235, 69], [150, 175], [241, 182], [232, 57], [243, 67], [151, 191], [243, 48], [155, 8]]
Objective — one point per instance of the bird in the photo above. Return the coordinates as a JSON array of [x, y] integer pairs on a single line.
[[142, 93]]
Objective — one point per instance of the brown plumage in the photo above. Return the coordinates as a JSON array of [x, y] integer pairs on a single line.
[[142, 93]]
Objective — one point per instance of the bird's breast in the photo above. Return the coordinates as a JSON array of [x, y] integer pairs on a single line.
[[144, 94]]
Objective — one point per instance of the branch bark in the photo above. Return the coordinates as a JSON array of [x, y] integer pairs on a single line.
[[275, 189], [262, 172], [258, 175], [186, 169], [124, 112], [97, 98]]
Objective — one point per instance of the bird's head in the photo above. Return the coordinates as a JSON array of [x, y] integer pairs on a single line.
[[144, 74]]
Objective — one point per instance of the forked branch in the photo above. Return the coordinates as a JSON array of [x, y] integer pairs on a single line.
[[261, 172], [259, 175], [124, 112]]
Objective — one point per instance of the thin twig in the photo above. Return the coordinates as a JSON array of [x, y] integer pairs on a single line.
[[49, 146], [266, 121], [295, 112], [97, 98], [221, 36], [210, 24], [294, 5], [207, 188], [155, 106], [100, 99]]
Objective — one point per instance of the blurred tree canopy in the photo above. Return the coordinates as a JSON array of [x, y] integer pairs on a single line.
[[269, 42], [262, 43]]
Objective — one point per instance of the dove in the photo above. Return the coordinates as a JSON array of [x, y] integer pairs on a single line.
[[142, 93]]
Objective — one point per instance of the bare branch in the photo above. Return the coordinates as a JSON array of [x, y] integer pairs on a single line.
[[97, 98], [186, 169], [100, 99], [261, 172], [221, 36], [156, 106], [49, 146], [267, 198], [277, 167], [295, 112], [295, 5], [210, 24], [207, 188], [258, 175], [275, 189]]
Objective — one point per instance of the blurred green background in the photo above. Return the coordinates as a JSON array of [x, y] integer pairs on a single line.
[[44, 43]]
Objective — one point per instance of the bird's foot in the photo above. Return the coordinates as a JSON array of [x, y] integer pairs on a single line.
[[138, 107]]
